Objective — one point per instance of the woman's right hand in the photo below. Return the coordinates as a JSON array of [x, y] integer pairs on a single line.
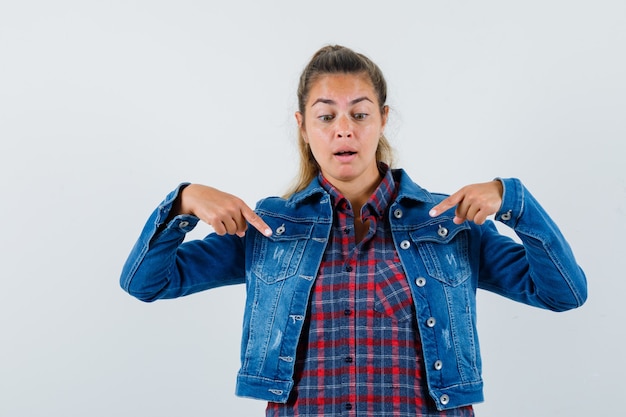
[[226, 213]]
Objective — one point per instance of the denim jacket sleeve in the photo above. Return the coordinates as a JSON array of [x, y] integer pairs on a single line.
[[162, 265], [543, 271]]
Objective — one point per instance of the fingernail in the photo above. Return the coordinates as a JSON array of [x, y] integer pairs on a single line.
[[268, 232], [432, 213]]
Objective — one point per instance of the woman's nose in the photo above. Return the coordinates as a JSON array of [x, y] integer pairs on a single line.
[[344, 128]]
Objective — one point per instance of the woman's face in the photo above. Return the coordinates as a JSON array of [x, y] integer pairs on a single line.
[[342, 125]]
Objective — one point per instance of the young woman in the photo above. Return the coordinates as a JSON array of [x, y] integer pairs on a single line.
[[360, 284]]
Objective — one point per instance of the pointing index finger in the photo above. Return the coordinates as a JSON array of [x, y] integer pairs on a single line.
[[256, 221], [444, 205]]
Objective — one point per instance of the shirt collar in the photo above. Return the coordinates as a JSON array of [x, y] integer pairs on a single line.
[[406, 189], [378, 202]]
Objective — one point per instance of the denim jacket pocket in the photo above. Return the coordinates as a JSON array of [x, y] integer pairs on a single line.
[[443, 247], [277, 257]]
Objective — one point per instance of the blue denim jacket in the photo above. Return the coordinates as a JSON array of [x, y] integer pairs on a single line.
[[444, 263]]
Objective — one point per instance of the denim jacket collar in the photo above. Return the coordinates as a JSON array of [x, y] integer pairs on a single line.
[[410, 190], [407, 190]]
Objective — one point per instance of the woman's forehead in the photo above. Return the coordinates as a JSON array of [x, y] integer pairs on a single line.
[[341, 87]]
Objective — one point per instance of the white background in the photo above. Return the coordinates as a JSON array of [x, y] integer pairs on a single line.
[[106, 106]]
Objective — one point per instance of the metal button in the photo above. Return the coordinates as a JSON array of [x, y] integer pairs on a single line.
[[442, 231], [280, 229], [421, 281], [184, 223], [405, 244], [506, 216], [444, 399], [431, 322], [397, 213], [438, 365]]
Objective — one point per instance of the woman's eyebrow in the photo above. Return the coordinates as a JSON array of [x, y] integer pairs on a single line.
[[331, 102]]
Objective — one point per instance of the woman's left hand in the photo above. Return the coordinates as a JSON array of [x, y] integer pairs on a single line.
[[473, 202]]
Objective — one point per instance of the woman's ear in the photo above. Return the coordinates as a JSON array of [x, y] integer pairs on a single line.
[[385, 115], [300, 120]]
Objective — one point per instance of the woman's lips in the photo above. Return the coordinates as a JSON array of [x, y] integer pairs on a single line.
[[345, 156]]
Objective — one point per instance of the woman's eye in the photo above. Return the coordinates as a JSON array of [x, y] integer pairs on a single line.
[[360, 116], [326, 117]]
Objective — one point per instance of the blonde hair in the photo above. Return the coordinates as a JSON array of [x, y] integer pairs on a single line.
[[334, 59]]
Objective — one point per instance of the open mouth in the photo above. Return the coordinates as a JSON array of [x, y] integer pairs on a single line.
[[345, 153]]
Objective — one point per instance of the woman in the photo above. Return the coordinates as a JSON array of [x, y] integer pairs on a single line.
[[360, 284]]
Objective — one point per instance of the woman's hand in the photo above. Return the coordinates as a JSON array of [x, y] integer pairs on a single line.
[[226, 213], [473, 202]]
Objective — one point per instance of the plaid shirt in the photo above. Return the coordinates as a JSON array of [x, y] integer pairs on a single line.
[[360, 352]]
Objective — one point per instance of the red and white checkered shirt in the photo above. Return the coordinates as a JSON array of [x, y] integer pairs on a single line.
[[360, 351]]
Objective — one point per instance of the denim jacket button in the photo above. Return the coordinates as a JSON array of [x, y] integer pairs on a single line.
[[431, 322], [397, 213], [442, 231], [405, 244], [438, 365], [506, 216], [444, 399], [183, 223], [421, 281]]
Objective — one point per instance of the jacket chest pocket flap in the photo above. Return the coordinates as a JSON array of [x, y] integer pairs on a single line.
[[277, 257], [443, 247]]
